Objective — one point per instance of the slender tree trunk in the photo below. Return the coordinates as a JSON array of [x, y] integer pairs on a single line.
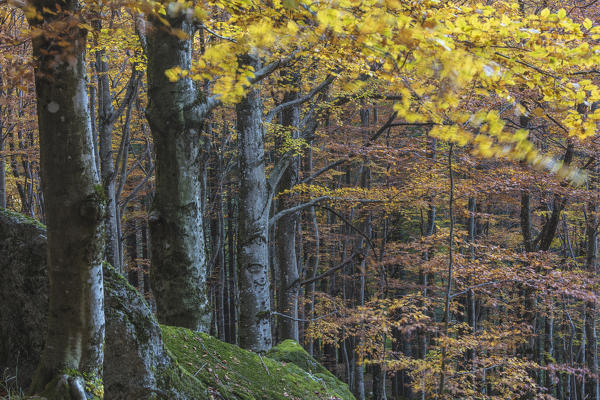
[[178, 268], [313, 259], [2, 170], [107, 169], [285, 236], [232, 276], [592, 307], [2, 165], [253, 223], [450, 277], [73, 199]]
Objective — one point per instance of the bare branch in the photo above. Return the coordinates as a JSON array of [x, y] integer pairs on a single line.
[[207, 29], [269, 117], [295, 209], [322, 171], [329, 271]]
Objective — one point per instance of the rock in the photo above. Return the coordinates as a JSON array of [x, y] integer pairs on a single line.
[[232, 373], [136, 363], [23, 297], [142, 360], [290, 351]]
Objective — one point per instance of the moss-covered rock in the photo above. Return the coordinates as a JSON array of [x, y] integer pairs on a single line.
[[229, 372], [23, 297], [290, 351], [136, 363], [142, 359]]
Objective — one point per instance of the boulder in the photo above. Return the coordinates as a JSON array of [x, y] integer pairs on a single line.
[[23, 297]]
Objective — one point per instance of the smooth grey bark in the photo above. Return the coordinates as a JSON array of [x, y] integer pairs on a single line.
[[2, 165], [253, 219], [232, 271], [2, 170], [285, 235], [313, 259], [178, 265], [73, 200], [107, 170]]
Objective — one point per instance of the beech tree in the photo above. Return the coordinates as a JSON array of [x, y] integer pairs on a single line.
[[74, 200], [176, 113], [253, 218]]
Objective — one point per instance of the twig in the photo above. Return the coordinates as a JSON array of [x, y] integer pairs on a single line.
[[264, 365], [203, 365], [302, 319]]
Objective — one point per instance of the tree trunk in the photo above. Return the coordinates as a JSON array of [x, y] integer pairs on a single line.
[[285, 237], [107, 169], [73, 201], [232, 278], [178, 267], [253, 220], [592, 307], [2, 165], [2, 170]]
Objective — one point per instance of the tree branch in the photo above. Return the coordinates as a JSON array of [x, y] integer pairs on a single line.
[[295, 209], [270, 68], [329, 271], [322, 171], [271, 114], [361, 233]]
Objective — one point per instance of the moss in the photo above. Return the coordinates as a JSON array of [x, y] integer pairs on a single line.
[[22, 218], [290, 351], [233, 373], [111, 274], [100, 192], [94, 386], [113, 280], [180, 380]]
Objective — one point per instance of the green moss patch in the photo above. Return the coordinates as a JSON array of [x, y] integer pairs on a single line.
[[22, 218], [234, 373]]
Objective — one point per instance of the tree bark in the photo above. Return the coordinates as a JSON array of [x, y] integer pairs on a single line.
[[2, 170], [285, 236], [73, 199], [253, 220], [107, 169], [178, 268]]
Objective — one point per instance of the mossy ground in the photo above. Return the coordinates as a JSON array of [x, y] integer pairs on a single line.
[[234, 373]]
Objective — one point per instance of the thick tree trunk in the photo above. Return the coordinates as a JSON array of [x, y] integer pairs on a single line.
[[178, 268], [73, 200], [253, 220]]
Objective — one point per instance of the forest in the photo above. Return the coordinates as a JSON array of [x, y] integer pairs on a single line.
[[299, 199]]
